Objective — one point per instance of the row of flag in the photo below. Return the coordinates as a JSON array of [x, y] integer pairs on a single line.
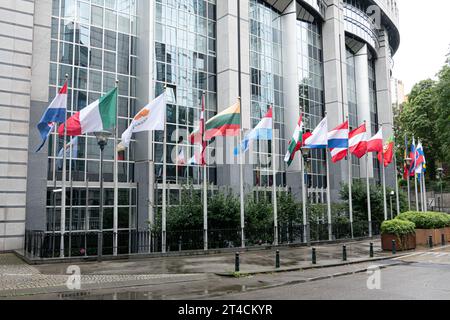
[[102, 114], [340, 141], [418, 163]]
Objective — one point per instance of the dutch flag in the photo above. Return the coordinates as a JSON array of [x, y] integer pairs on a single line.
[[338, 142], [55, 113]]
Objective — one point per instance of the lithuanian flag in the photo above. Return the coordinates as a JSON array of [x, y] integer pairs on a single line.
[[226, 123]]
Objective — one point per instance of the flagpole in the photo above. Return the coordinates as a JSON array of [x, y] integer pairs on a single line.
[[63, 192], [408, 174], [274, 182], [305, 219], [421, 192], [369, 209], [164, 195], [241, 185], [330, 226], [116, 176], [417, 192], [205, 183], [396, 184], [350, 182], [425, 192]]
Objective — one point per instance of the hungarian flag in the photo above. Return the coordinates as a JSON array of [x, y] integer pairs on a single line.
[[98, 116], [375, 144], [226, 123], [296, 142], [388, 153], [405, 166]]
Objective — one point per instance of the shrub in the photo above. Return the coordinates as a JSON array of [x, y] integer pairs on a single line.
[[398, 227], [426, 220]]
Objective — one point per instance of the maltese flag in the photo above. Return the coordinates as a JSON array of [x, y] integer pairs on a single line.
[[338, 142]]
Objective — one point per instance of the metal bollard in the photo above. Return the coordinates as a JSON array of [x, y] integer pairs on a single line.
[[443, 239], [236, 263], [314, 256], [430, 241], [344, 253], [277, 259], [371, 250], [394, 247]]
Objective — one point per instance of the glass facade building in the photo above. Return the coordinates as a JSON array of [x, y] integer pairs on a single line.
[[286, 54]]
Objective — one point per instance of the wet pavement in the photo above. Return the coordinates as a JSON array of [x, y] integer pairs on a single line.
[[192, 277], [252, 261]]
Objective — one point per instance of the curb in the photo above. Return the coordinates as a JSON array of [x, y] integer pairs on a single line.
[[187, 253], [282, 270]]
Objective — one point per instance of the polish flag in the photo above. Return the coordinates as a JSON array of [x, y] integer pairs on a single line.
[[358, 141], [376, 143]]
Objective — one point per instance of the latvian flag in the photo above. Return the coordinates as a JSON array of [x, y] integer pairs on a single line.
[[99, 116], [55, 113], [338, 142]]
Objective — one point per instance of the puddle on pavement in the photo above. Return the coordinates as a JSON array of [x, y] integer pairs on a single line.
[[207, 290]]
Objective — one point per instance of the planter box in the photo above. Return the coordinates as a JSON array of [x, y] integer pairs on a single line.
[[422, 236], [407, 242]]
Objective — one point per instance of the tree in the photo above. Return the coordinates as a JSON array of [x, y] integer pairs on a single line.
[[442, 93]]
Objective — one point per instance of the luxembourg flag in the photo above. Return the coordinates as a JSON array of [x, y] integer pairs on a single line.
[[338, 142], [358, 141], [55, 113], [319, 137], [263, 131]]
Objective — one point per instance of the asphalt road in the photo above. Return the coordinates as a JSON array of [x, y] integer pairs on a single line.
[[422, 276]]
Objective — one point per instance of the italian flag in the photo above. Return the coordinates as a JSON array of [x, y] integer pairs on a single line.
[[98, 116], [296, 142], [388, 153]]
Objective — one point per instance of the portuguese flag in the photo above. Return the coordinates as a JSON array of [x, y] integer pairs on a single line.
[[296, 142], [98, 116], [388, 152], [226, 123]]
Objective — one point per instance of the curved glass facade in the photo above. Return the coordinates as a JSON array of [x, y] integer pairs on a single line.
[[311, 99], [94, 43], [266, 81], [185, 61]]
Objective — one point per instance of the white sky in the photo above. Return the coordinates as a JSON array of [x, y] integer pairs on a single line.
[[424, 40]]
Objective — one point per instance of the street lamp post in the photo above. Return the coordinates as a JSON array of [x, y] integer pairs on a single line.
[[392, 194], [306, 231], [408, 165], [102, 140], [440, 175]]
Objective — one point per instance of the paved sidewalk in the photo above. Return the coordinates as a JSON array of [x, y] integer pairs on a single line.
[[18, 278]]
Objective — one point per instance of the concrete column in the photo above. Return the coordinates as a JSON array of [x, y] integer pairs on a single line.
[[228, 83], [385, 112], [363, 98], [335, 74], [291, 98]]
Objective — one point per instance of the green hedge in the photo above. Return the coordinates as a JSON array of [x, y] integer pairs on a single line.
[[426, 220], [398, 227]]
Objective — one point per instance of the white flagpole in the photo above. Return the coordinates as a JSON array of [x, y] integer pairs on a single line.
[[205, 182], [164, 195], [425, 201], [116, 176], [63, 192], [384, 191], [396, 184], [350, 182], [274, 182], [369, 209], [241, 185], [417, 192], [305, 218], [330, 226]]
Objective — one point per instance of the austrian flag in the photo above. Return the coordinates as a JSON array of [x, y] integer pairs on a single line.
[[358, 141]]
